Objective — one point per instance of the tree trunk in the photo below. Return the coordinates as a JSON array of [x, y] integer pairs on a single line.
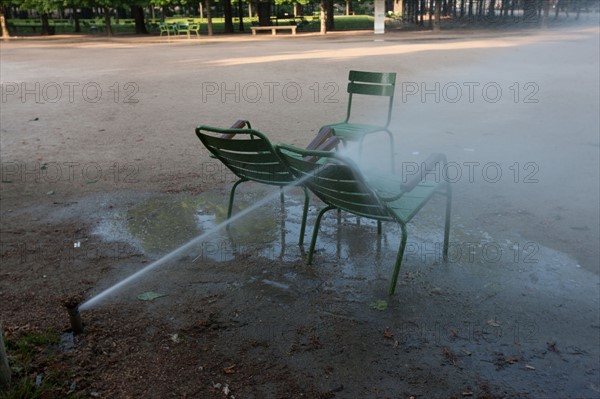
[[264, 13], [322, 17], [138, 16], [431, 9], [5, 33], [4, 367], [109, 31], [546, 14], [330, 19], [505, 8], [77, 24], [437, 23], [492, 9], [241, 16], [228, 16], [201, 10], [45, 24], [530, 11], [209, 17]]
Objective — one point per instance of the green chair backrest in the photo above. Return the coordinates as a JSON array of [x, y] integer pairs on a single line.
[[371, 84], [336, 180], [247, 153]]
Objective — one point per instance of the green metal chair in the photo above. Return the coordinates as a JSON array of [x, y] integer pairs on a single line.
[[369, 84], [167, 28], [251, 157], [188, 28], [182, 27], [195, 28], [338, 182]]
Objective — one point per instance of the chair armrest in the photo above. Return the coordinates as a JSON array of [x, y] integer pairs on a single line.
[[425, 167], [329, 144], [324, 134], [239, 124]]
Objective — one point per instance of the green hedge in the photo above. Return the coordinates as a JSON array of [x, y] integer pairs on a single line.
[[96, 25]]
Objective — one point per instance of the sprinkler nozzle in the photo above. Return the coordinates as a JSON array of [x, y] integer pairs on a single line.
[[74, 317]]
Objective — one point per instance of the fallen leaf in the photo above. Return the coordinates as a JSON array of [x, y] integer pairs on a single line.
[[379, 305], [493, 323], [229, 369], [395, 345], [467, 393], [387, 333], [512, 360], [449, 355], [529, 367], [314, 341], [149, 296], [175, 338]]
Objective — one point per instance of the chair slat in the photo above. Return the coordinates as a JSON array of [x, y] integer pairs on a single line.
[[370, 89], [266, 178], [240, 145], [249, 157], [259, 168], [372, 77]]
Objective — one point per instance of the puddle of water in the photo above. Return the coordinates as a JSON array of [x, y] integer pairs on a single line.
[[160, 224], [349, 249], [67, 342]]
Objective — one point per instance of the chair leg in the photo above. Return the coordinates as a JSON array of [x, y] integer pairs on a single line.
[[304, 216], [281, 195], [231, 195], [392, 160], [360, 146], [313, 242], [447, 223], [399, 257], [391, 136]]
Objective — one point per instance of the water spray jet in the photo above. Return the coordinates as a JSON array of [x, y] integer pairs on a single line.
[[178, 251]]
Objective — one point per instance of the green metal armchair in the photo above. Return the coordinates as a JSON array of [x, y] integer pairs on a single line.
[[251, 157], [338, 182], [167, 28]]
